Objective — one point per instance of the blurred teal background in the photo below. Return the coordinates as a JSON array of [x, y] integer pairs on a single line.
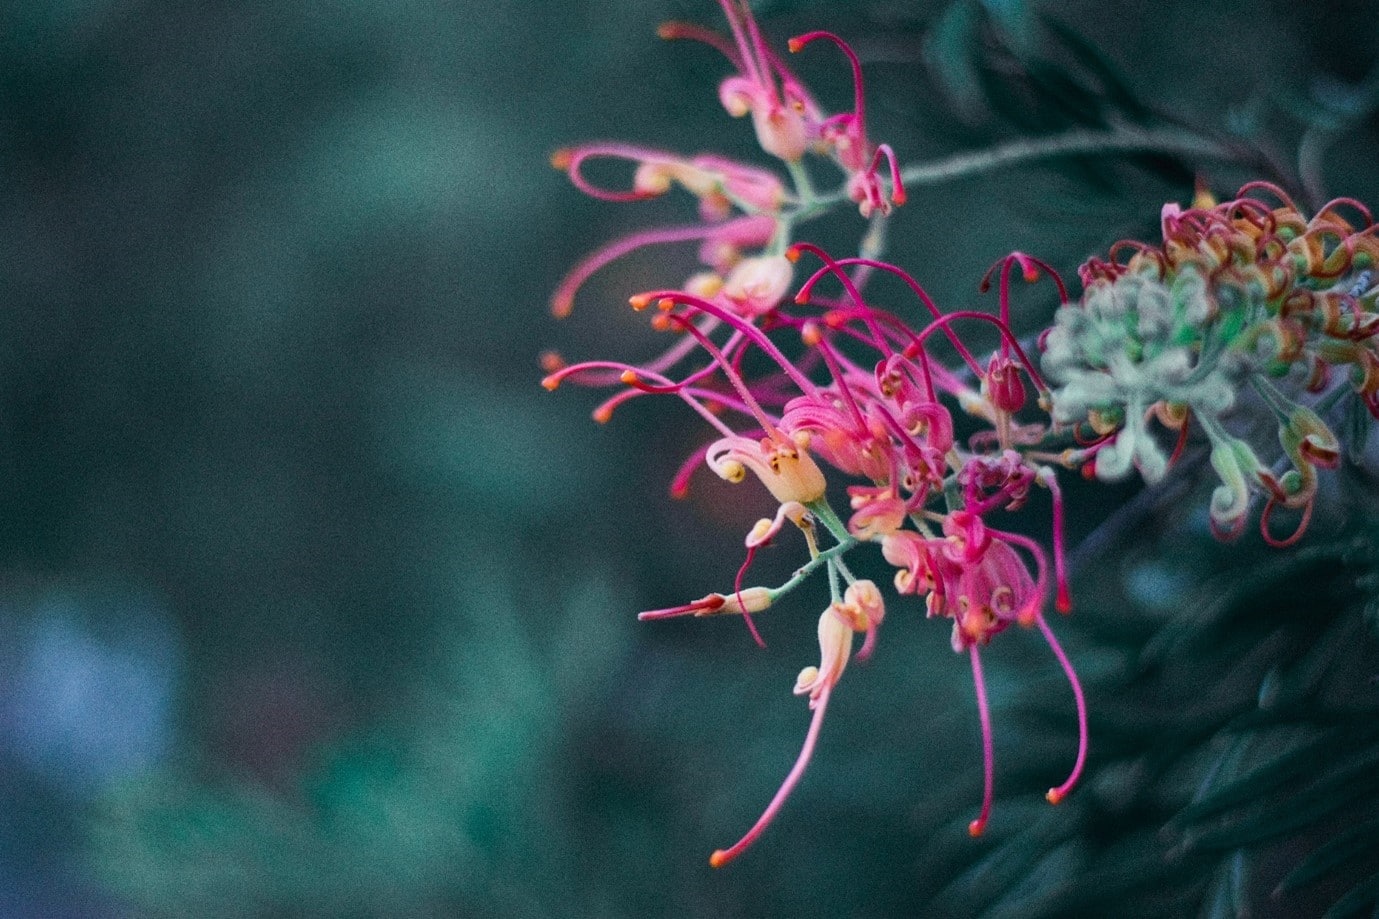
[[313, 602]]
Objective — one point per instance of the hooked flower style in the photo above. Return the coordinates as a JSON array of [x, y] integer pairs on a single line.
[[844, 136]]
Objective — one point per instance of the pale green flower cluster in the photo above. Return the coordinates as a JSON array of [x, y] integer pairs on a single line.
[[1135, 343]]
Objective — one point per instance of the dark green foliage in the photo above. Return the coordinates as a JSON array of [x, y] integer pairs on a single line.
[[1235, 763]]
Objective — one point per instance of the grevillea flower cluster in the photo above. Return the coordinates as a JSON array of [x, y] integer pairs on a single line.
[[851, 388], [816, 391], [746, 213], [1239, 296]]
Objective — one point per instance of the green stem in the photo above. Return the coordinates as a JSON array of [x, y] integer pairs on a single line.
[[1329, 401], [801, 575], [824, 511], [1213, 429], [1276, 400], [804, 188], [843, 568], [1070, 143]]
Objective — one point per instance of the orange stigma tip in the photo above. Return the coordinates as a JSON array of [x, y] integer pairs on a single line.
[[562, 158], [639, 301], [718, 859], [976, 828], [665, 304], [629, 377], [603, 415], [794, 45], [562, 307], [898, 197], [1031, 275], [668, 30], [792, 254], [1054, 796], [550, 382], [801, 298]]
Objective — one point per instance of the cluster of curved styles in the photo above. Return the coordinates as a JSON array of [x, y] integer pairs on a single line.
[[1237, 294]]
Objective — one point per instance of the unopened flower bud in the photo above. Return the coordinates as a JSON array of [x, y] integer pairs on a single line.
[[1003, 385], [867, 600], [758, 284], [748, 600]]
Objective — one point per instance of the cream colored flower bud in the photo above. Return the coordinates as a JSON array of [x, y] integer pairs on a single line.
[[759, 283], [865, 597], [751, 600]]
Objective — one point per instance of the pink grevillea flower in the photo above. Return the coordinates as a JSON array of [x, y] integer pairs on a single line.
[[766, 528], [783, 466], [877, 510], [756, 285], [975, 577], [750, 600], [718, 182], [994, 590], [851, 386], [857, 449], [861, 610], [783, 113], [845, 137], [1002, 384]]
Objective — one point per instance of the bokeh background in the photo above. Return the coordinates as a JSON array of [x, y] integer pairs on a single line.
[[314, 603]]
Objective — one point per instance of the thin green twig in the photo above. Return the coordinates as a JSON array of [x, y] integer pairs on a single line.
[[1070, 143]]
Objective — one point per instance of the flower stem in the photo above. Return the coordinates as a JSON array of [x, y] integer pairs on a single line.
[[825, 512], [809, 567], [1070, 143]]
